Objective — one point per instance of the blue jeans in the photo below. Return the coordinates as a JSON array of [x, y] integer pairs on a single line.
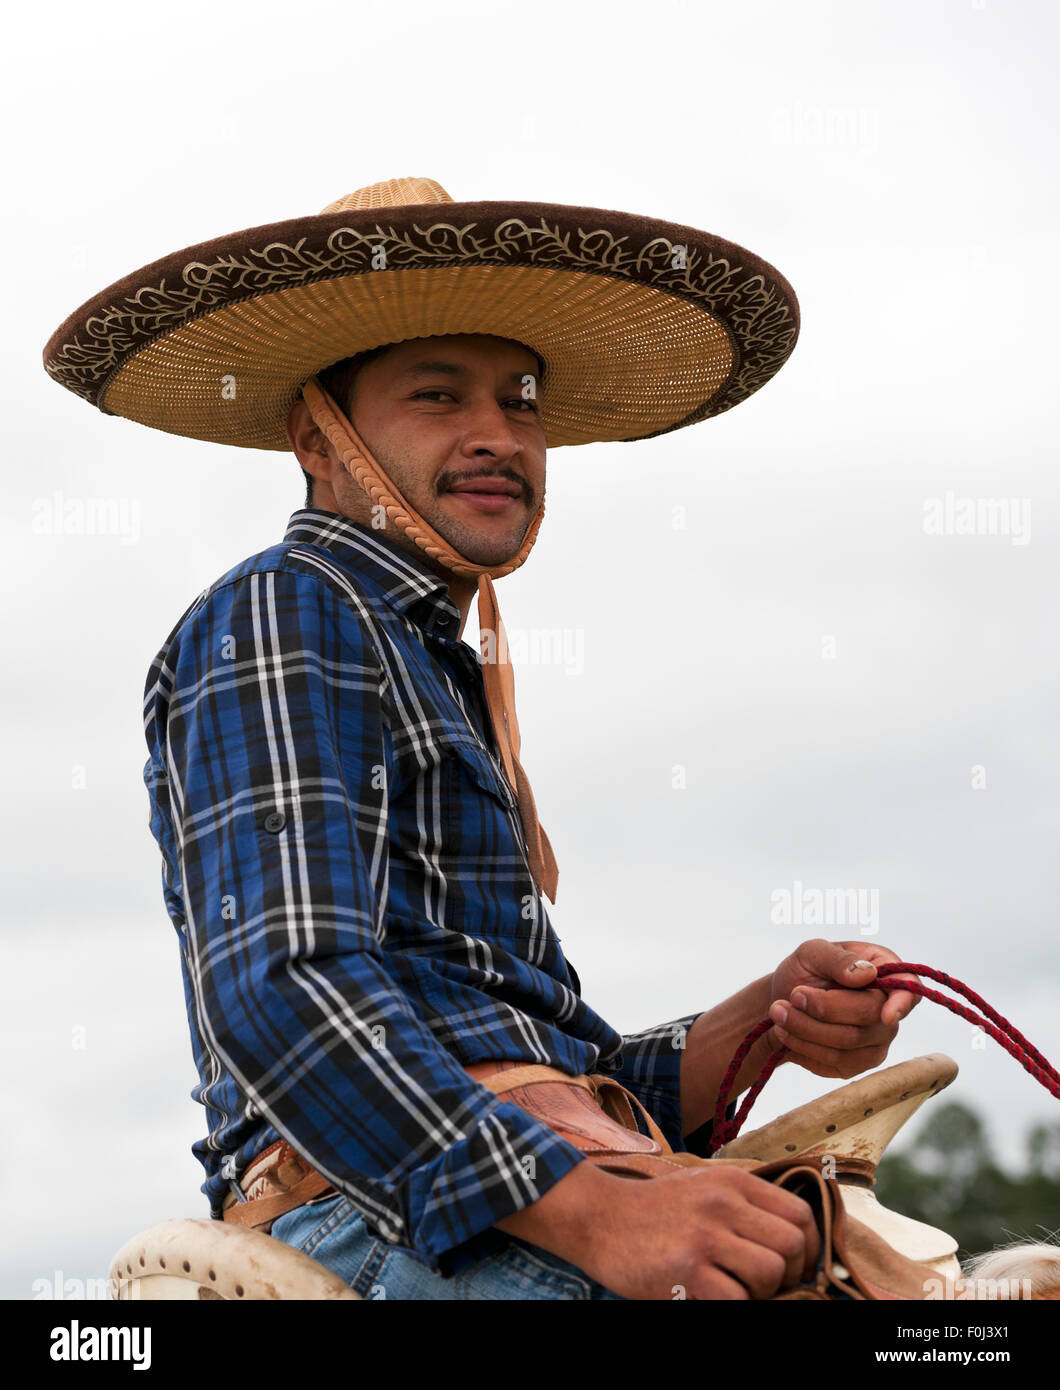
[[334, 1233]]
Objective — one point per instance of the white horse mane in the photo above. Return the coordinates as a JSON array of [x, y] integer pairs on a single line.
[[1035, 1261]]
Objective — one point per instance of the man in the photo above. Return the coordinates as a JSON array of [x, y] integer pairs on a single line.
[[351, 851]]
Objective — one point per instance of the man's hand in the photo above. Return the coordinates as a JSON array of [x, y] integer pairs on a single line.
[[709, 1233], [825, 1013]]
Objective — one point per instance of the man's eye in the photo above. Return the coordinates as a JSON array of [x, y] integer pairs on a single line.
[[438, 391]]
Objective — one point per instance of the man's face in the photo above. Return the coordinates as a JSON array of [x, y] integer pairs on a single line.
[[449, 420]]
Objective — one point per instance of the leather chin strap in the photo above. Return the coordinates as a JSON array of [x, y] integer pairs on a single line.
[[497, 674]]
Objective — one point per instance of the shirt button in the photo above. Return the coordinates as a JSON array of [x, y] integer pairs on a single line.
[[276, 821], [444, 619]]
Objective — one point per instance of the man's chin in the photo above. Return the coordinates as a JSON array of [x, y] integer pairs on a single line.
[[490, 551], [478, 544]]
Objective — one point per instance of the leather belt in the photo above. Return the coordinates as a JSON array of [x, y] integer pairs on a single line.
[[276, 1182]]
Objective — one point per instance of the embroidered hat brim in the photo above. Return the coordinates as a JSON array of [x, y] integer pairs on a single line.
[[644, 326]]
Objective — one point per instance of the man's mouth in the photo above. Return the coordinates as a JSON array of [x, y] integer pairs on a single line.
[[488, 494]]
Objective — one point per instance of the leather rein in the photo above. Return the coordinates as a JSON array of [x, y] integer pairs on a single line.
[[988, 1019]]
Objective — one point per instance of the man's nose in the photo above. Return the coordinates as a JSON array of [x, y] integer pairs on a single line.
[[490, 429]]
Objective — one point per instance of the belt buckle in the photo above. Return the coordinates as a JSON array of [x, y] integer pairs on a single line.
[[228, 1171]]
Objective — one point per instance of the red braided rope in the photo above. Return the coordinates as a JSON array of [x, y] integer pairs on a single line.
[[988, 1019]]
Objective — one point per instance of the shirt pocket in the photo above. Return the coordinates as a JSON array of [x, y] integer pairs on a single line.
[[490, 890], [485, 838], [477, 764]]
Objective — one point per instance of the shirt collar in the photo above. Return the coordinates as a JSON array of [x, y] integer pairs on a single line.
[[404, 582]]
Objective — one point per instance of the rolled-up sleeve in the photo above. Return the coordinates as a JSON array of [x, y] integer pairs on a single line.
[[277, 750]]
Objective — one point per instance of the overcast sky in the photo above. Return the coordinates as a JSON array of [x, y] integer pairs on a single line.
[[852, 699]]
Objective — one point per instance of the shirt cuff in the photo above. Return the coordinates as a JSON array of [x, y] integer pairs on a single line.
[[505, 1164]]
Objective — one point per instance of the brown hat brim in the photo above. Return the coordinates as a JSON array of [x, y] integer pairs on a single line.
[[644, 326]]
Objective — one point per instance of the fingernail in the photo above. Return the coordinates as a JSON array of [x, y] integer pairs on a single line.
[[860, 965], [799, 1000], [779, 1013]]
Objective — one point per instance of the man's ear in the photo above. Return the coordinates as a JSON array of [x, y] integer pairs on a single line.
[[307, 440]]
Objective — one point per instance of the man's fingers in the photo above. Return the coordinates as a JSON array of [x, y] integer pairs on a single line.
[[778, 1202], [859, 1007], [797, 1244], [836, 1061], [834, 960], [759, 1269], [844, 1036], [899, 1003], [716, 1285]]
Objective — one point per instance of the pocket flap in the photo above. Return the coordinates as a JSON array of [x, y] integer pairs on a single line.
[[485, 771]]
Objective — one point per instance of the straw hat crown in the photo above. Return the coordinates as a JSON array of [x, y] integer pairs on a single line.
[[389, 194]]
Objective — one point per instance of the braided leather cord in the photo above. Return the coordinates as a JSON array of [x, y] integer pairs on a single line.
[[988, 1019]]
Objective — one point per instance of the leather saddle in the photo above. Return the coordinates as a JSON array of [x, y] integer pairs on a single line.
[[825, 1152]]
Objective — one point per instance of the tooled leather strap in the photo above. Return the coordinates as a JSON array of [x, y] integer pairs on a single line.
[[619, 1102], [613, 1099], [263, 1211], [497, 676], [500, 1081]]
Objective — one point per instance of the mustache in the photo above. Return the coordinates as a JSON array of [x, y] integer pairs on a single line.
[[449, 480]]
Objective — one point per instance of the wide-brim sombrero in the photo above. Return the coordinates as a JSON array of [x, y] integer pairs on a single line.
[[644, 326]]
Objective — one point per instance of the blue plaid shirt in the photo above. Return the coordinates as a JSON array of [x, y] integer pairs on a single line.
[[345, 867]]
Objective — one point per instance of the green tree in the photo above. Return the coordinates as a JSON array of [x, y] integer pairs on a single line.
[[1043, 1151], [950, 1178]]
